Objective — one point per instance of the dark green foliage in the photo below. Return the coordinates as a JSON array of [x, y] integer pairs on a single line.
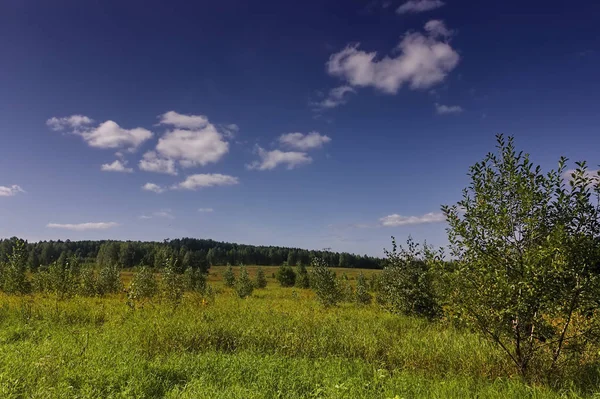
[[195, 280], [13, 272], [261, 280], [361, 294], [325, 284], [109, 279], [406, 284], [286, 276], [527, 250], [243, 285], [302, 279], [229, 277]]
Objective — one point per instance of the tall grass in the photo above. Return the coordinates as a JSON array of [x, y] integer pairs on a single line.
[[278, 343]]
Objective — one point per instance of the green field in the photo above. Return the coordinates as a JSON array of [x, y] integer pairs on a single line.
[[278, 343]]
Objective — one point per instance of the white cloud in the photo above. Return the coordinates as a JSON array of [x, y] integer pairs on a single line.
[[337, 96], [69, 122], [399, 220], [230, 130], [183, 121], [10, 190], [271, 159], [437, 28], [195, 182], [153, 187], [106, 135], [303, 141], [110, 135], [83, 226], [416, 6], [419, 60], [116, 166], [164, 213], [151, 162], [448, 109], [205, 210], [194, 141]]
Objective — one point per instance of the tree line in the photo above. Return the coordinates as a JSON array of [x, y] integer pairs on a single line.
[[190, 252]]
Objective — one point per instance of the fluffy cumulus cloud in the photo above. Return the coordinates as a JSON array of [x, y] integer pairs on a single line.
[[303, 142], [416, 6], [448, 109], [399, 220], [420, 61], [10, 191], [271, 159], [153, 187], [151, 162], [336, 96], [193, 141], [83, 226], [105, 135], [197, 181], [116, 166]]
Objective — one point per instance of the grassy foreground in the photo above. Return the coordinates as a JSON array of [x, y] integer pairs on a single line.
[[280, 343]]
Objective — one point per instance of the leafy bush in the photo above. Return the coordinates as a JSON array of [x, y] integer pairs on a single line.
[[302, 279], [229, 277], [528, 258], [261, 280], [143, 286], [63, 276], [13, 273], [195, 280], [406, 284], [244, 286], [325, 284], [109, 279], [88, 284], [361, 293], [286, 276], [171, 282]]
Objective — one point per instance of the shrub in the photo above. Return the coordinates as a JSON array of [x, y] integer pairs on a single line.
[[143, 286], [171, 282], [229, 277], [325, 284], [302, 279], [195, 280], [286, 276], [406, 284], [63, 276], [109, 279], [88, 284], [244, 286], [528, 258], [14, 279], [261, 280], [362, 295]]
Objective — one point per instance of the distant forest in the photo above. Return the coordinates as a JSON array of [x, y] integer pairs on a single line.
[[190, 252]]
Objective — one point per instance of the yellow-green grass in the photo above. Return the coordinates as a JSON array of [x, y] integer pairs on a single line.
[[279, 343]]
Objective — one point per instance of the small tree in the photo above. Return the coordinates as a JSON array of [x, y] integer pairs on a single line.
[[14, 279], [63, 276], [286, 276], [528, 257], [109, 279], [171, 282], [143, 287], [406, 284], [88, 284], [244, 286], [302, 279], [325, 284], [261, 279], [229, 277], [361, 293], [195, 280]]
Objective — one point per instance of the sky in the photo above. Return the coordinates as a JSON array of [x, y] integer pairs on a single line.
[[316, 124]]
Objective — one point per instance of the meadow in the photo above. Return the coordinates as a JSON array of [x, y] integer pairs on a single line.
[[277, 343]]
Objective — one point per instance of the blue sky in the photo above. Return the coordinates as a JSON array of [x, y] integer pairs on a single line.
[[311, 124]]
